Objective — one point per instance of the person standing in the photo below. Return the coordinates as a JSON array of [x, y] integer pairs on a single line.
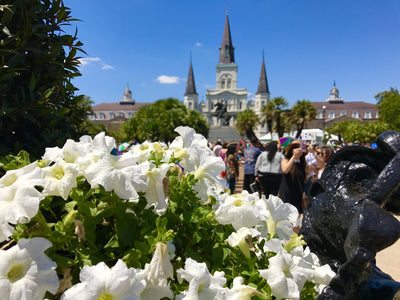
[[294, 175], [232, 163], [251, 154], [268, 169]]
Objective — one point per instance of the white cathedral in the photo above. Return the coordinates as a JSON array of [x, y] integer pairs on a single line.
[[226, 94]]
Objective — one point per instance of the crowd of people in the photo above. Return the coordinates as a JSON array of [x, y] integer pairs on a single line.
[[287, 172]]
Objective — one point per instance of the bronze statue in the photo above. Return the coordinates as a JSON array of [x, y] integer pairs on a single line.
[[349, 218], [221, 112]]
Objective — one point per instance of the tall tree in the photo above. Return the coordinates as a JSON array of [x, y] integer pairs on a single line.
[[38, 60], [246, 120], [276, 107], [302, 113], [388, 103], [157, 121], [268, 116]]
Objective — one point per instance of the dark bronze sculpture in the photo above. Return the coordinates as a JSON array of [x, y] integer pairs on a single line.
[[221, 112], [349, 218]]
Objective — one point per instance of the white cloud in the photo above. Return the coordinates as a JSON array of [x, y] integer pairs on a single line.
[[86, 60], [97, 60], [168, 79], [198, 44], [107, 67]]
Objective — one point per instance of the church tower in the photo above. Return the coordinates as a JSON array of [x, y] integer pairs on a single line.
[[262, 96], [191, 97], [226, 91]]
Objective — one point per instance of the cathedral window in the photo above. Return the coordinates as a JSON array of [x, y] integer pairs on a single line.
[[228, 85], [190, 105], [222, 83], [226, 51]]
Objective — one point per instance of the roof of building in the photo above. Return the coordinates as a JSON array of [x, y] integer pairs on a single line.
[[348, 105], [116, 106]]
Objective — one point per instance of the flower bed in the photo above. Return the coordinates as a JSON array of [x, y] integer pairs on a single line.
[[151, 223]]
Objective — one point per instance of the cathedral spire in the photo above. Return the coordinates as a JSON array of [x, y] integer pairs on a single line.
[[263, 82], [226, 51], [190, 85]]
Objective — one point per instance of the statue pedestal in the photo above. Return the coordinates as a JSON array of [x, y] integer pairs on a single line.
[[224, 133]]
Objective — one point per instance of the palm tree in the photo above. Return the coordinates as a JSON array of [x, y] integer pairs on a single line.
[[273, 112], [245, 122], [301, 114], [268, 115]]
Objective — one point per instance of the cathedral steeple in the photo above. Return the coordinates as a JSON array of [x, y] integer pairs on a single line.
[[226, 51], [263, 82], [190, 85]]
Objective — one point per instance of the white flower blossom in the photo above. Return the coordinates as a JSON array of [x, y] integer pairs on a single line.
[[285, 277], [238, 210], [26, 273], [60, 179], [202, 285], [280, 216], [240, 291], [101, 282], [208, 175], [154, 191], [19, 201], [156, 275], [118, 173]]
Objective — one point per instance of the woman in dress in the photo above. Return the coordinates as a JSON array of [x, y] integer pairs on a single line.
[[294, 175], [268, 169], [232, 164]]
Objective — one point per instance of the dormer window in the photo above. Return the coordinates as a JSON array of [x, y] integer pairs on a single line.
[[121, 114], [102, 116], [343, 113], [331, 115], [112, 115], [367, 115], [355, 115]]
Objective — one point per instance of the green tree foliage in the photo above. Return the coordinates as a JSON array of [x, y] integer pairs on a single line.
[[352, 131], [302, 113], [245, 122], [273, 112], [157, 121], [388, 103], [38, 106]]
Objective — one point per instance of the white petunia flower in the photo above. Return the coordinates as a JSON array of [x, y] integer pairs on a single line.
[[285, 277], [239, 239], [26, 273], [238, 210], [154, 191], [19, 201], [280, 216], [188, 147], [118, 173], [156, 274], [202, 285], [208, 175], [101, 282], [60, 179], [240, 291]]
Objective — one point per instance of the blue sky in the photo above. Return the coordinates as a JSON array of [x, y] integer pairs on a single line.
[[307, 45]]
